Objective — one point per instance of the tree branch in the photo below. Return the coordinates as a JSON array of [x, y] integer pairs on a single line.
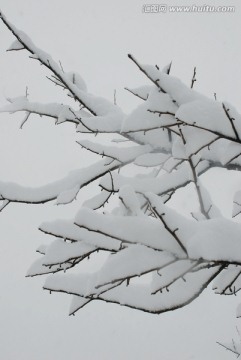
[[45, 60], [156, 82]]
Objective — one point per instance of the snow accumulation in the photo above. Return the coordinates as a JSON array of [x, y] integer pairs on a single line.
[[158, 259]]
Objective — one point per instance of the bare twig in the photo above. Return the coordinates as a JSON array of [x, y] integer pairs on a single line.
[[161, 112], [229, 349], [139, 96], [115, 102], [25, 119], [193, 77], [231, 119]]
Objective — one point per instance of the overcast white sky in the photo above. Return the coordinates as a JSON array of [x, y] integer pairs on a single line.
[[94, 37]]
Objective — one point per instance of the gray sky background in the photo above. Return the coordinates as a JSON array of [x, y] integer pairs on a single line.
[[94, 38]]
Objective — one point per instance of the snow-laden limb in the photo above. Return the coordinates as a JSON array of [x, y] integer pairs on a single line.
[[111, 122], [211, 116], [67, 230], [98, 107], [65, 189], [66, 197], [59, 112], [97, 124], [165, 277], [101, 108], [158, 185], [133, 295], [144, 117], [130, 262], [195, 140], [129, 230], [61, 251], [216, 240], [179, 92], [38, 268], [120, 154], [74, 77], [77, 284], [173, 266], [180, 151], [175, 224], [98, 201], [45, 59], [183, 292]]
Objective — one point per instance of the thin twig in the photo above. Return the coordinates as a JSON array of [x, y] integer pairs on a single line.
[[231, 119], [193, 77]]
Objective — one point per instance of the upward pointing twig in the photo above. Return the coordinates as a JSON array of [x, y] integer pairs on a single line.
[[193, 77], [169, 68]]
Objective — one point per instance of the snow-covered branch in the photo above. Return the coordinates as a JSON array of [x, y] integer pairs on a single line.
[[154, 258]]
